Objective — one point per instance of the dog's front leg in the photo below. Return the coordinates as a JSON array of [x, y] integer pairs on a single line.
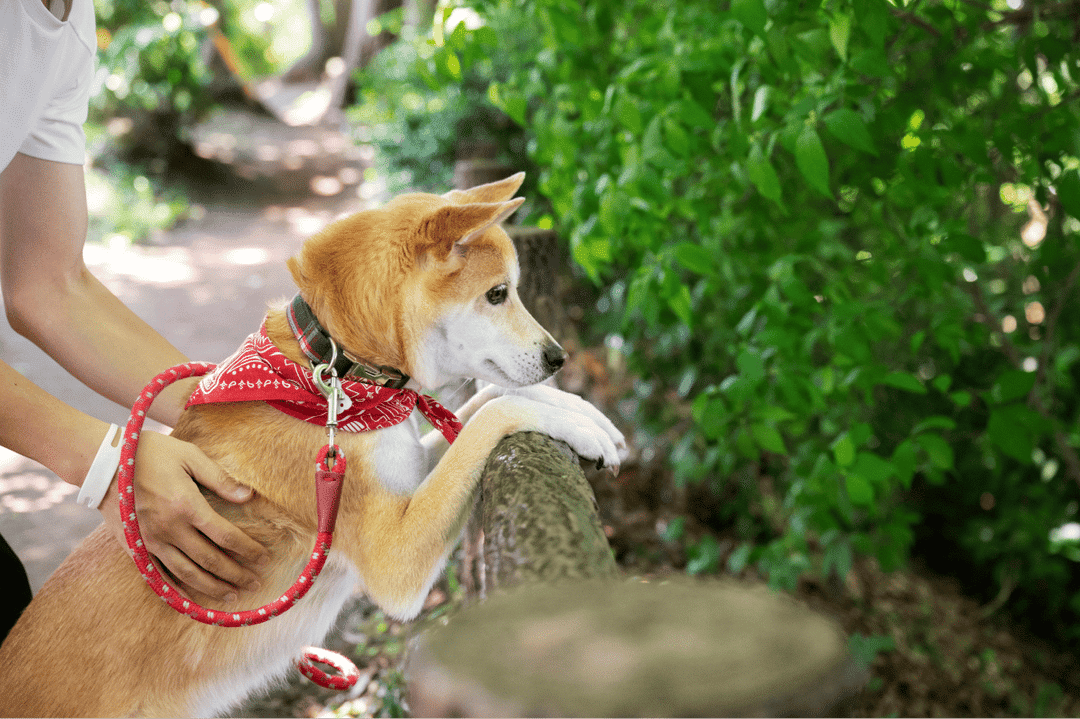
[[435, 444], [405, 541]]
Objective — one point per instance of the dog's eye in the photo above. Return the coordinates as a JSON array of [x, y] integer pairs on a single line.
[[497, 295]]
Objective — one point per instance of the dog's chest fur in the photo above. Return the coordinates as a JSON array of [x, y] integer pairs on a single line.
[[400, 459]]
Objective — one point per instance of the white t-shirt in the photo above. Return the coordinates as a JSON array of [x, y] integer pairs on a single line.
[[46, 72]]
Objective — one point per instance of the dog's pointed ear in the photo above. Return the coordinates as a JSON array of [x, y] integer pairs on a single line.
[[498, 191], [452, 225]]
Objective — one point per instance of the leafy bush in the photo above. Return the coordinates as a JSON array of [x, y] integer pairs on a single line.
[[845, 238], [152, 59], [423, 100]]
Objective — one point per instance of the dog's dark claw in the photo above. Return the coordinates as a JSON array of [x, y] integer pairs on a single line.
[[599, 463]]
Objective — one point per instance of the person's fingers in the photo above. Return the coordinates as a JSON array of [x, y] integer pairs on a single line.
[[220, 534], [173, 513], [191, 578], [209, 474]]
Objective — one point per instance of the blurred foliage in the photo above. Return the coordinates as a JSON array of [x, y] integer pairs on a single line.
[[839, 242], [152, 59], [157, 57], [422, 101], [155, 78]]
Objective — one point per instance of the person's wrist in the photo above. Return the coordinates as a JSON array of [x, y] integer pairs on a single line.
[[102, 470]]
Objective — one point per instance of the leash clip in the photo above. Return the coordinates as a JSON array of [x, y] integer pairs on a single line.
[[336, 399]]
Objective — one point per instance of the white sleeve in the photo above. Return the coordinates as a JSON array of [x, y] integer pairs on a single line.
[[56, 127], [58, 134]]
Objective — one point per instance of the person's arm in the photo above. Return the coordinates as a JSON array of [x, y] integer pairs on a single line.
[[53, 299]]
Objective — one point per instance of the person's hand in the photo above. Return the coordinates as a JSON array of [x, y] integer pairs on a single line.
[[200, 548]]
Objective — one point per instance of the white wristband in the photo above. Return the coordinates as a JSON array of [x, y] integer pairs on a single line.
[[102, 469]]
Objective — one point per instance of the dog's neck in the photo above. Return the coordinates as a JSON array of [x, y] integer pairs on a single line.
[[317, 346]]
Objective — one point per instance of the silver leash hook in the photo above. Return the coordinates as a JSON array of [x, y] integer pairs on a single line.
[[336, 399]]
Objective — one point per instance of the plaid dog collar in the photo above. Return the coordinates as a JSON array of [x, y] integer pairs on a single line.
[[315, 343]]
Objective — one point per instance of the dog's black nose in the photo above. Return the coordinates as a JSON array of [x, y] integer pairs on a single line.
[[554, 357]]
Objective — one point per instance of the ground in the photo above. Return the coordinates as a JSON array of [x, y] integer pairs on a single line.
[[205, 284]]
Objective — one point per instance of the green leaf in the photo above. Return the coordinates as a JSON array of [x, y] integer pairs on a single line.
[[704, 556], [751, 13], [905, 462], [628, 114], [873, 17], [839, 33], [708, 413], [1012, 443], [812, 161], [737, 559], [847, 126], [452, 65], [614, 207], [751, 366], [939, 422], [939, 451], [1068, 190], [859, 490], [865, 649], [768, 438], [844, 450], [1011, 385], [694, 115], [1014, 429], [680, 304], [968, 247], [773, 413], [904, 381], [763, 175], [514, 105], [652, 145], [677, 138], [962, 398], [695, 258], [873, 468]]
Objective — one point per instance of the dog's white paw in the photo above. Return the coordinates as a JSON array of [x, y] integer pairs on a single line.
[[572, 402], [581, 431]]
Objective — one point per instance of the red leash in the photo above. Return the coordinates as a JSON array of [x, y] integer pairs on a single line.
[[328, 493]]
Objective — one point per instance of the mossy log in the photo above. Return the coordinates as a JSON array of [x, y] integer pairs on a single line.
[[536, 519]]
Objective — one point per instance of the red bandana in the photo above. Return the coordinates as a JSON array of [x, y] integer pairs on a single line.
[[258, 371]]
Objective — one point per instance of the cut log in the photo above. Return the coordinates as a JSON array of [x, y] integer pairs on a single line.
[[633, 648]]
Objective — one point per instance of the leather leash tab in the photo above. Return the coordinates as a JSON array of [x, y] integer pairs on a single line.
[[328, 484]]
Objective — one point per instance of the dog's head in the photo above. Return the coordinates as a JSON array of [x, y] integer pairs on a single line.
[[428, 284]]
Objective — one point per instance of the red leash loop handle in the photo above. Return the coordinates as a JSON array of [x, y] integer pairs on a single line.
[[328, 488]]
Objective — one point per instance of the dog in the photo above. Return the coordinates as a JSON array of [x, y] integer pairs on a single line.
[[423, 291]]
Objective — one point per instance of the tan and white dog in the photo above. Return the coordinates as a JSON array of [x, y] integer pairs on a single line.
[[426, 284]]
